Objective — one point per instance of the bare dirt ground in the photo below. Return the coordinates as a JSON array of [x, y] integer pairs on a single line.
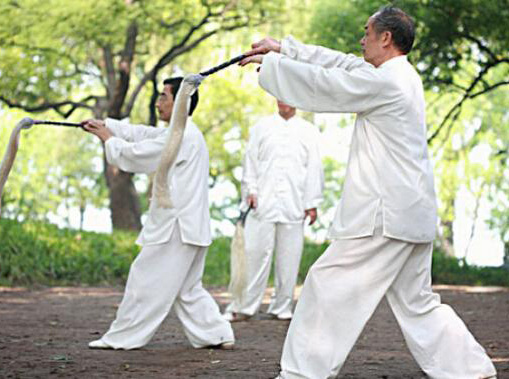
[[44, 333]]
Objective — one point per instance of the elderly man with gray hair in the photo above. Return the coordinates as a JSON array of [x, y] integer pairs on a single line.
[[385, 223]]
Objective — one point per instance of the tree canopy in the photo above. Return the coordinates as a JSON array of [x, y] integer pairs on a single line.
[[101, 58], [104, 55]]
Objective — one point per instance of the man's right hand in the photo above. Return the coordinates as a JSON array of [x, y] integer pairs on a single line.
[[98, 128], [94, 123], [252, 201]]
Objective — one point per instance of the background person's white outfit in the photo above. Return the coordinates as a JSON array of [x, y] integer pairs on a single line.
[[168, 270], [283, 169], [384, 224]]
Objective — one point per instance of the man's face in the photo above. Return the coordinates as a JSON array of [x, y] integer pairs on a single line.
[[372, 43], [284, 108], [164, 103]]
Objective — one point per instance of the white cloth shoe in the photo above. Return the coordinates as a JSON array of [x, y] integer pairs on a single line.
[[227, 346], [235, 317], [98, 344]]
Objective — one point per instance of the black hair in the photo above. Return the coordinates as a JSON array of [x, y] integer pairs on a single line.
[[175, 85], [401, 26]]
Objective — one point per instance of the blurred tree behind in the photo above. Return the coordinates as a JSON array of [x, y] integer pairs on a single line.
[[103, 55], [103, 58]]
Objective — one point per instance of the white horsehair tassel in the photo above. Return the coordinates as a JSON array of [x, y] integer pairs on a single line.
[[238, 273], [238, 278], [10, 153], [172, 146]]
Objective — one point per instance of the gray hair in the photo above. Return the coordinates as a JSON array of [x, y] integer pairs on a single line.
[[401, 26]]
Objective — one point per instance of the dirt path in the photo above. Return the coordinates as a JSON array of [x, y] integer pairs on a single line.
[[44, 333]]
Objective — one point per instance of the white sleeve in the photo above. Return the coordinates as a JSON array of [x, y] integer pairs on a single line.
[[319, 55], [132, 132], [143, 156], [250, 169], [314, 184], [317, 89]]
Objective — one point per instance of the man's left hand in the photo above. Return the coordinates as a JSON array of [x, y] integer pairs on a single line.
[[311, 213], [259, 49]]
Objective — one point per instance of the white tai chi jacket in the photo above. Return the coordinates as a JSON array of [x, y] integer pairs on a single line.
[[137, 149], [388, 167], [283, 168]]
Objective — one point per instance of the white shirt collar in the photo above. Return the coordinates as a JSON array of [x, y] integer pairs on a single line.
[[393, 61]]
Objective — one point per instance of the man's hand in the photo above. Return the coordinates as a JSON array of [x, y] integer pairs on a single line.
[[311, 213], [98, 128], [259, 49], [251, 59], [252, 201]]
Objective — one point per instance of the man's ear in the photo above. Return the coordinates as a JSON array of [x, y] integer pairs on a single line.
[[386, 38]]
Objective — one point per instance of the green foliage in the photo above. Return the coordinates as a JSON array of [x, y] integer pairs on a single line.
[[228, 107], [340, 24], [217, 267], [39, 253], [311, 253], [54, 167], [334, 173], [57, 50], [107, 57], [449, 270], [449, 33], [36, 253]]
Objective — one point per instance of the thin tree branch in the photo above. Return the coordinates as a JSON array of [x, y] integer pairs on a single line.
[[57, 106], [488, 89], [467, 95], [163, 61], [184, 46], [482, 46]]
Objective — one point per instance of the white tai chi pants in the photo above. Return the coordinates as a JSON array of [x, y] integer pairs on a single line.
[[341, 292], [260, 239], [160, 277]]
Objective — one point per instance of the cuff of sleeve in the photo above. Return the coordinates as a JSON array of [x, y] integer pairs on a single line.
[[113, 125], [265, 78], [288, 47], [112, 148]]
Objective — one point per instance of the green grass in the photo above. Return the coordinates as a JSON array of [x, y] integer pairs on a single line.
[[38, 253], [34, 253], [450, 270]]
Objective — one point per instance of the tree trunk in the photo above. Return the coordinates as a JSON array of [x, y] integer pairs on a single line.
[[506, 255], [124, 200], [446, 238], [83, 207]]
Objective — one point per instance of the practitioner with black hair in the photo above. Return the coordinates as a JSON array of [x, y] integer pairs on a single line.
[[168, 271]]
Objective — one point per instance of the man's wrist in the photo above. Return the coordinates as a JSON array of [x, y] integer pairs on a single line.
[[106, 135]]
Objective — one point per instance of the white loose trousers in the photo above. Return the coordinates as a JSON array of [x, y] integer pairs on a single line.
[[161, 276], [343, 289], [261, 237]]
